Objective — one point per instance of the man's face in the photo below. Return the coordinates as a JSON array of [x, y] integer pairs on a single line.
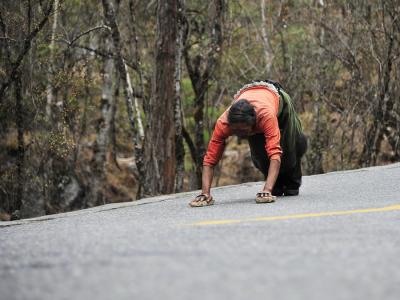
[[241, 129]]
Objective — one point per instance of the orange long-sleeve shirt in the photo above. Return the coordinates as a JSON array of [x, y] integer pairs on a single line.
[[266, 104]]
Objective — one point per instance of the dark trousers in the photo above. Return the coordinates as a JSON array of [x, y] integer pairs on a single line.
[[290, 172]]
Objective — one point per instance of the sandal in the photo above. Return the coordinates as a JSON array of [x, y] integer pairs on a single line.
[[265, 197], [202, 200]]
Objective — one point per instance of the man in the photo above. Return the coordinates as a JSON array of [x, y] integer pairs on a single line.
[[264, 114]]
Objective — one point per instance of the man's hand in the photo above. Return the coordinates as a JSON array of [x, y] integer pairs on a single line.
[[205, 197], [265, 197], [202, 200]]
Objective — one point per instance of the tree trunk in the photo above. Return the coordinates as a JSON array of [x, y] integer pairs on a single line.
[[27, 44], [159, 146], [315, 153], [200, 80], [384, 106], [180, 150], [136, 52], [50, 92], [98, 178], [113, 127], [130, 100], [20, 138], [267, 48]]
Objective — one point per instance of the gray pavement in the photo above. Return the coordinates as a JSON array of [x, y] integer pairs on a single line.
[[338, 240]]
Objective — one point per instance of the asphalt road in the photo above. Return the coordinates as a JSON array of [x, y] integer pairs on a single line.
[[338, 240]]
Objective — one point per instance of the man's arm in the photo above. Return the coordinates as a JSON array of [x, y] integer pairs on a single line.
[[273, 173], [214, 153], [207, 177], [273, 148]]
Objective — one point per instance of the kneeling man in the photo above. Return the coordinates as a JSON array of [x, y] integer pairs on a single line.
[[263, 113]]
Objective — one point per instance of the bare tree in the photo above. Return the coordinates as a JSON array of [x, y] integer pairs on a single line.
[[178, 114], [98, 179], [130, 100], [19, 122], [201, 68], [159, 148], [385, 101], [50, 88], [267, 46], [14, 65]]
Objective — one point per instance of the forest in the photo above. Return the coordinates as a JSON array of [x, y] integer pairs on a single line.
[[115, 100]]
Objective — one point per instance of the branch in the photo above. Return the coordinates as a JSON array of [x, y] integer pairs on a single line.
[[335, 54], [27, 46], [137, 139], [7, 38], [100, 53], [346, 46], [2, 24], [87, 32], [4, 29]]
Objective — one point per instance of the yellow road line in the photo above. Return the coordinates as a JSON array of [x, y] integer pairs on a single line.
[[300, 216]]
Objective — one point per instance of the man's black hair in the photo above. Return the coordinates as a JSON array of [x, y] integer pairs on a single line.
[[242, 112]]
